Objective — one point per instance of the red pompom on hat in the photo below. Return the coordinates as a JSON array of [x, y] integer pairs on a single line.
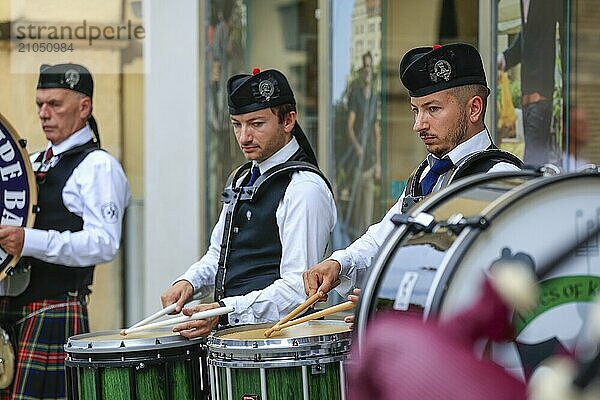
[[256, 71], [436, 46]]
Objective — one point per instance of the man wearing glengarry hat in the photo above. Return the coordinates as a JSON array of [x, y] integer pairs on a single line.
[[82, 195], [278, 213], [448, 96]]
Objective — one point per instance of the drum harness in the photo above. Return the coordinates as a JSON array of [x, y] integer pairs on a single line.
[[233, 195], [478, 162]]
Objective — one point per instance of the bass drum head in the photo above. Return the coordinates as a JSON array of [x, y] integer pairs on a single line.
[[543, 218], [18, 187], [402, 275]]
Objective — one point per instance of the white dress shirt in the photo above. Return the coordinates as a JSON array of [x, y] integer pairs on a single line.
[[305, 216], [361, 252], [98, 192]]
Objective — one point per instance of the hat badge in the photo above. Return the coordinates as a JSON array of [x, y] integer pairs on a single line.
[[72, 77], [266, 89], [441, 70]]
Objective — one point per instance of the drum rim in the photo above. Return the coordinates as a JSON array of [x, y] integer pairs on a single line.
[[400, 232], [84, 343], [276, 363]]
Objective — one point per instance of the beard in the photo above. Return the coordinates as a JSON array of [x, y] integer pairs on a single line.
[[456, 134]]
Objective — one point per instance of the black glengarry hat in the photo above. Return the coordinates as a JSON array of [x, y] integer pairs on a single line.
[[426, 70], [66, 76], [259, 90], [247, 93]]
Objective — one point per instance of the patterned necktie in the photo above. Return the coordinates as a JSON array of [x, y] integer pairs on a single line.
[[255, 173], [438, 168], [41, 175], [49, 154]]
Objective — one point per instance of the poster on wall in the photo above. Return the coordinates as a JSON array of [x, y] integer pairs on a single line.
[[530, 92]]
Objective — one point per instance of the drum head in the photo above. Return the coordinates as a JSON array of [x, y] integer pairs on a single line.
[[403, 273], [543, 218], [114, 342], [18, 187]]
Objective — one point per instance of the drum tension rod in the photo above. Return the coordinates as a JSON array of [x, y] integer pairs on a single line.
[[457, 222], [421, 222]]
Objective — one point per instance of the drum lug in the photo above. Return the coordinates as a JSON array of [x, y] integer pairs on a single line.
[[317, 369], [422, 222], [458, 222]]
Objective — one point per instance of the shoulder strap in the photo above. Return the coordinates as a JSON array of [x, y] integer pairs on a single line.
[[483, 161], [413, 188], [287, 168]]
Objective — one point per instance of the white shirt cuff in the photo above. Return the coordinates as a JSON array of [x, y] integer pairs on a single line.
[[347, 273], [35, 242]]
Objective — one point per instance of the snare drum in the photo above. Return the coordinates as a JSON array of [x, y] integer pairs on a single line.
[[304, 361], [439, 272], [156, 364]]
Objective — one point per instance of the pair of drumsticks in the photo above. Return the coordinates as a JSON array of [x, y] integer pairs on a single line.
[[144, 324], [287, 321]]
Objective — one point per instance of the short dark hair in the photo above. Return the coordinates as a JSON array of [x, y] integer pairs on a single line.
[[465, 92], [282, 110]]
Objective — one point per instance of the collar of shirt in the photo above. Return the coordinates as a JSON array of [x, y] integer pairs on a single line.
[[78, 138], [479, 142], [281, 156]]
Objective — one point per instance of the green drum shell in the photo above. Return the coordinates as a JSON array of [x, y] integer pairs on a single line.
[[307, 367], [163, 367]]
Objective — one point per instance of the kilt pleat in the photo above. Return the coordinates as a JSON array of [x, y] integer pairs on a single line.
[[39, 331]]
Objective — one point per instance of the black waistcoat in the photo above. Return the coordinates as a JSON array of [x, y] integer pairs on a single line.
[[251, 247], [51, 280]]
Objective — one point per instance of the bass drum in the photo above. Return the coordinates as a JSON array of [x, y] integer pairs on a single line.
[[439, 272], [18, 191]]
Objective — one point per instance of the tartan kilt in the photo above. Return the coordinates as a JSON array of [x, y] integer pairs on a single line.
[[38, 341]]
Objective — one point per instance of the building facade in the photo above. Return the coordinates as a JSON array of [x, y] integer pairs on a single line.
[[161, 106]]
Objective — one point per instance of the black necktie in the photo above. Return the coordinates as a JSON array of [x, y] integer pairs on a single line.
[[438, 168], [254, 174]]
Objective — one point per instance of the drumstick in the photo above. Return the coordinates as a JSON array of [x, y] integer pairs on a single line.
[[167, 310], [309, 302], [213, 312], [323, 313], [156, 315]]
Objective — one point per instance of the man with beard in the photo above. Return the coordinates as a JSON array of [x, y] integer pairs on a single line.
[[448, 96]]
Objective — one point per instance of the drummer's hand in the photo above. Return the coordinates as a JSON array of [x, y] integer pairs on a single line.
[[321, 277], [180, 292], [199, 327], [353, 298], [11, 239]]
